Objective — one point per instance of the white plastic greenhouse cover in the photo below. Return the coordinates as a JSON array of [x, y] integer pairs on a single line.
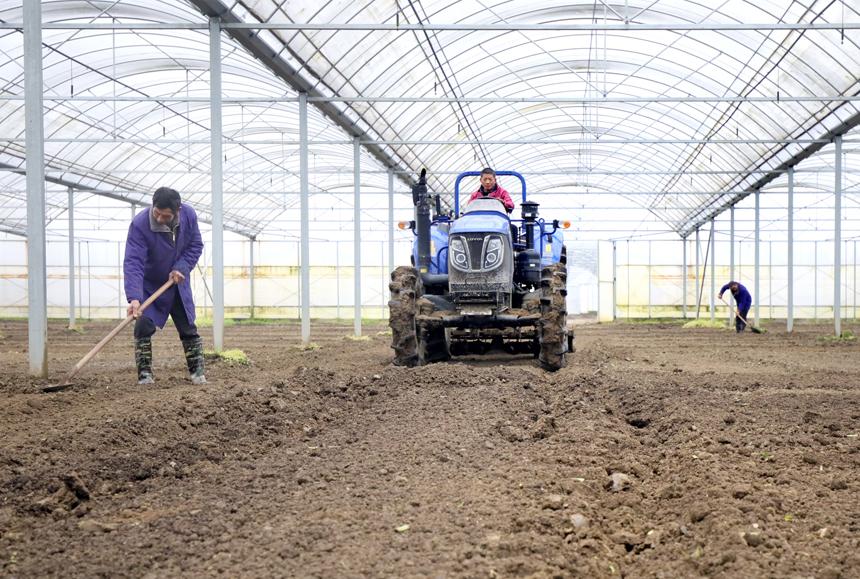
[[675, 106]]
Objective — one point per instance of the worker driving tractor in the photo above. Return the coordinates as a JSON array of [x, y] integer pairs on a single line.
[[490, 188]]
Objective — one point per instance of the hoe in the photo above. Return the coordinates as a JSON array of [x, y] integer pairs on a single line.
[[754, 329], [67, 383]]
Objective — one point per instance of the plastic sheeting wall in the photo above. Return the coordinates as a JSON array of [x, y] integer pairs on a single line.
[[99, 280]]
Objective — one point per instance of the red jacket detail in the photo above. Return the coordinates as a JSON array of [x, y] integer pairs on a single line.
[[497, 193]]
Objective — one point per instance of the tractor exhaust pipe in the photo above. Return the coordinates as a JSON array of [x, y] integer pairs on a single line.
[[422, 203]]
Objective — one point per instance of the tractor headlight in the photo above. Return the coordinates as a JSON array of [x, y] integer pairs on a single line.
[[494, 252], [459, 256]]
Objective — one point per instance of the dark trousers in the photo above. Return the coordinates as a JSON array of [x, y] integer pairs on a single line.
[[739, 323], [144, 327]]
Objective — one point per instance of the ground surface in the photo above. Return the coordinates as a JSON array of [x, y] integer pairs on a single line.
[[659, 452]]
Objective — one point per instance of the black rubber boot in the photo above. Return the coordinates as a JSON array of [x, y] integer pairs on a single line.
[[194, 358], [143, 359]]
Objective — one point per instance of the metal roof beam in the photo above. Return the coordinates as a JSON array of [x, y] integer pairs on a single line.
[[204, 213], [248, 38], [437, 27], [704, 215]]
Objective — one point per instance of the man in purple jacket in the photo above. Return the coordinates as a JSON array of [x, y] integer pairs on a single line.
[[743, 300], [163, 242]]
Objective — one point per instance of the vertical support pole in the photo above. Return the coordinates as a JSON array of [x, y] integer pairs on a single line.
[[614, 279], [757, 268], [789, 318], [696, 289], [89, 282], [391, 224], [837, 238], [684, 279], [304, 211], [337, 274], [649, 279], [713, 271], [357, 233], [71, 212], [854, 283], [627, 264], [251, 274], [37, 279], [80, 282], [119, 279], [815, 279], [770, 279], [731, 313], [217, 184]]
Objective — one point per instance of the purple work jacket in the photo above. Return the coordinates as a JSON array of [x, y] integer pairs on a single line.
[[150, 257]]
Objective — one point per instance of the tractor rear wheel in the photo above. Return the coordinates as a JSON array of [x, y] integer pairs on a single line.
[[552, 327], [405, 287]]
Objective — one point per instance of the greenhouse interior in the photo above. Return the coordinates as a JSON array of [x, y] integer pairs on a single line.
[[673, 145]]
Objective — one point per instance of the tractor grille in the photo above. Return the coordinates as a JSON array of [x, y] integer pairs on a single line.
[[475, 244]]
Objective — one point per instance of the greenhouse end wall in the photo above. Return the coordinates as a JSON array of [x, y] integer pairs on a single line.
[[648, 281]]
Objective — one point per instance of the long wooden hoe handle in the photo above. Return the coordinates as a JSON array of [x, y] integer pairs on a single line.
[[91, 354], [737, 313]]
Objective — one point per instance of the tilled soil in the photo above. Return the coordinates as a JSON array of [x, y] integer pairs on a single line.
[[658, 452]]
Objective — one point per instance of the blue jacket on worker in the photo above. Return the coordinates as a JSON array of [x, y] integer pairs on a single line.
[[742, 297]]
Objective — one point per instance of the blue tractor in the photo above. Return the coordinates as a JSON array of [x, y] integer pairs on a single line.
[[480, 281]]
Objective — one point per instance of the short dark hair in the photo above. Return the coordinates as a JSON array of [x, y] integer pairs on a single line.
[[488, 171], [166, 198]]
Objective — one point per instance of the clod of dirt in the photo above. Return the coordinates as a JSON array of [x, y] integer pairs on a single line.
[[67, 498], [698, 512], [838, 484], [544, 427], [510, 433], [753, 538], [618, 481], [97, 526], [554, 502], [740, 491], [830, 573], [579, 521]]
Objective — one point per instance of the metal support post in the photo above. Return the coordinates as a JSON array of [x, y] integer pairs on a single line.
[[815, 281], [71, 213], [357, 233], [757, 267], [684, 279], [770, 279], [305, 257], [696, 289], [217, 161], [614, 279], [789, 318], [837, 238], [713, 272], [337, 275], [391, 224], [627, 265], [731, 314], [37, 279], [252, 241], [649, 279], [119, 280]]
